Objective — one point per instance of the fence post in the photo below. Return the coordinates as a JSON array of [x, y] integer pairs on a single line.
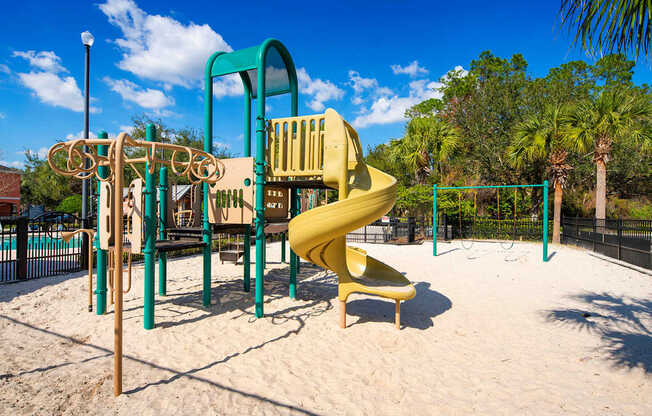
[[594, 232], [619, 223], [545, 220], [21, 248], [410, 229], [434, 220], [444, 222]]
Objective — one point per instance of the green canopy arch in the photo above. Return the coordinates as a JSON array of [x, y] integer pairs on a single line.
[[265, 70]]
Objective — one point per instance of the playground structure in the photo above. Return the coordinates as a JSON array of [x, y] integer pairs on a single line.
[[308, 152], [544, 232]]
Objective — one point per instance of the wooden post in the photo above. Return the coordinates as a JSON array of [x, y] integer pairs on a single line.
[[397, 318], [117, 266], [342, 314]]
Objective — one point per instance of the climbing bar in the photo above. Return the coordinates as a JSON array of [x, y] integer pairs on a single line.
[[439, 188], [200, 167]]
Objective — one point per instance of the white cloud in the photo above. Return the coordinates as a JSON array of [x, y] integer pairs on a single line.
[[54, 90], [457, 71], [73, 136], [359, 84], [320, 91], [161, 48], [412, 69], [147, 98], [47, 85], [228, 85], [391, 109], [5, 69], [48, 61], [366, 88], [42, 153], [14, 164], [221, 145], [126, 129]]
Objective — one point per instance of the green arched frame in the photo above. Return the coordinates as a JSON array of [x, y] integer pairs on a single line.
[[252, 64]]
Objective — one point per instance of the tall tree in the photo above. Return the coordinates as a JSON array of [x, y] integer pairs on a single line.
[[615, 114], [608, 25], [540, 137], [427, 142]]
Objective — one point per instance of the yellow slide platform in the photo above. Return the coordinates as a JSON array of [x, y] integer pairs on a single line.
[[326, 147]]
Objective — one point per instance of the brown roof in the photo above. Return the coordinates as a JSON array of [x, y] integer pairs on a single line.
[[8, 169]]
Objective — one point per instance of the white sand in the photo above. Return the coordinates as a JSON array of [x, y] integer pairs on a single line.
[[489, 332]]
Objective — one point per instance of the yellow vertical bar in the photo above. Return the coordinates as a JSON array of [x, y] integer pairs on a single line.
[[296, 147], [288, 146]]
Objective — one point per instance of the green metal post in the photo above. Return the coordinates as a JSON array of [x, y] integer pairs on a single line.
[[294, 111], [162, 218], [246, 261], [434, 220], [297, 211], [103, 172], [208, 147], [294, 259], [282, 247], [545, 220], [150, 236], [260, 186]]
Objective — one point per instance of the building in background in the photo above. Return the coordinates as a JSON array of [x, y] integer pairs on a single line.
[[9, 190]]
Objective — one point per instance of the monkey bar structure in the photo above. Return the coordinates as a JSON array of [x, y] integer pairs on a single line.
[[107, 162]]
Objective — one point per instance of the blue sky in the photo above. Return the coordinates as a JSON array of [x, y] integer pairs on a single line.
[[368, 60]]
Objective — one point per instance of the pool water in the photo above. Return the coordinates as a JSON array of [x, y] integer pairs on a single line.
[[41, 243]]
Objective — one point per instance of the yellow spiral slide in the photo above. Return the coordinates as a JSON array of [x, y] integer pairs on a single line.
[[327, 147]]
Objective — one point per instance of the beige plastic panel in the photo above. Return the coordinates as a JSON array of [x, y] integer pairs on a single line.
[[135, 215], [104, 215], [230, 201], [276, 202], [295, 145]]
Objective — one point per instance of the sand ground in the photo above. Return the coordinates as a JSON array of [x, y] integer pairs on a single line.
[[490, 332]]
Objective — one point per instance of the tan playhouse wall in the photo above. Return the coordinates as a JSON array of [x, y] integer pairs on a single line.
[[231, 200]]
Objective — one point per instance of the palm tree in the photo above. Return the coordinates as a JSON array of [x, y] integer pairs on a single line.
[[427, 141], [609, 24], [540, 137], [615, 114]]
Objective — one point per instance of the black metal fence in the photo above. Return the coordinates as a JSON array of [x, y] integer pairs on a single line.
[[626, 240], [409, 229], [481, 228], [394, 230], [32, 248]]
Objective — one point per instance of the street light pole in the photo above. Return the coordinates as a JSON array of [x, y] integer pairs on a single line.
[[87, 40]]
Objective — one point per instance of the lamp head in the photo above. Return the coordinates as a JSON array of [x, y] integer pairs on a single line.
[[66, 236], [87, 38]]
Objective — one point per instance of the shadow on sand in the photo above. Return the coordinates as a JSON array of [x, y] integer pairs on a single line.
[[10, 290], [622, 323], [418, 312]]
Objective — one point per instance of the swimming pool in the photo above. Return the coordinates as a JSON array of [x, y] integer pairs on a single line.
[[41, 243]]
